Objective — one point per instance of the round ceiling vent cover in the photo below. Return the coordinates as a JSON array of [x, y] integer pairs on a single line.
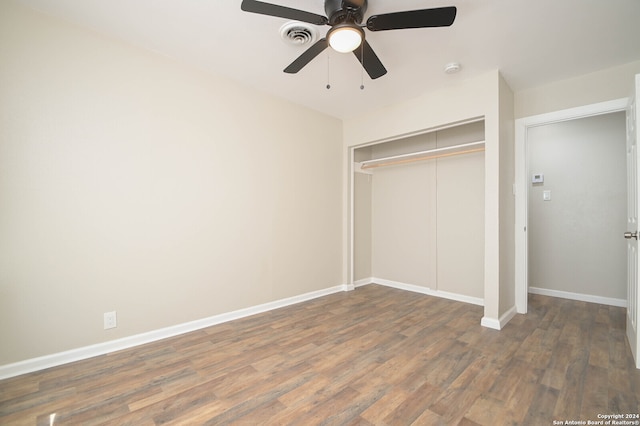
[[298, 33]]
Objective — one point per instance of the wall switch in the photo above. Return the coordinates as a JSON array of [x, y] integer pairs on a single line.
[[546, 195], [110, 320]]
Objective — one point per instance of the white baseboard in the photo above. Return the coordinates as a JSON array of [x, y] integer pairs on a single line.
[[498, 324], [507, 316], [490, 323], [53, 360], [348, 287], [495, 323], [362, 282], [428, 291], [622, 303]]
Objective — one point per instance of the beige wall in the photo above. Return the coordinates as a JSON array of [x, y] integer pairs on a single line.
[[129, 182], [575, 240], [605, 85], [470, 98]]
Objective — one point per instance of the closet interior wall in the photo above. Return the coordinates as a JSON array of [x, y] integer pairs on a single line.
[[422, 223]]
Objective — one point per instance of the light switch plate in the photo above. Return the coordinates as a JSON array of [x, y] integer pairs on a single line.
[[546, 195]]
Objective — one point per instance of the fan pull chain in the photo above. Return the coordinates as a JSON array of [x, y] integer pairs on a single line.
[[362, 67], [328, 73]]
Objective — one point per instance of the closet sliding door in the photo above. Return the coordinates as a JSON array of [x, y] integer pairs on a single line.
[[460, 229], [404, 238], [362, 227]]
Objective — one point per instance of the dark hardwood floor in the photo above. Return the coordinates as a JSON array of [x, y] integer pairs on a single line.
[[374, 356]]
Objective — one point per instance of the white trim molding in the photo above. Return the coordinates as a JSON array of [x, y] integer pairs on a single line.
[[53, 360], [610, 301], [429, 292]]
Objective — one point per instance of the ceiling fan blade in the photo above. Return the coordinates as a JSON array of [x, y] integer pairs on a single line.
[[370, 62], [438, 17], [282, 12], [307, 56]]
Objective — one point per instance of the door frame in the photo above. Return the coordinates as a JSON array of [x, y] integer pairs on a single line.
[[522, 125]]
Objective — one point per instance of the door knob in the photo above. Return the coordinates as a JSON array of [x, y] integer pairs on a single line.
[[630, 235]]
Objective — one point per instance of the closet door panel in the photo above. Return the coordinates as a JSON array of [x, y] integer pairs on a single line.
[[362, 226], [404, 224], [460, 226]]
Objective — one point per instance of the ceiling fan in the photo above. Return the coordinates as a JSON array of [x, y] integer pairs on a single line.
[[346, 33]]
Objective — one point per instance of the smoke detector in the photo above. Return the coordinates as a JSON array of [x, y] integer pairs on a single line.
[[298, 33], [452, 68]]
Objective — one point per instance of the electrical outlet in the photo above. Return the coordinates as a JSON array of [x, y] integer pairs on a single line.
[[110, 320]]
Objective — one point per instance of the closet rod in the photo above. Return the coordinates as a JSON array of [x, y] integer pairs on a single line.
[[430, 154]]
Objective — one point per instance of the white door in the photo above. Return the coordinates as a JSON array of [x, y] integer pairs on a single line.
[[633, 197]]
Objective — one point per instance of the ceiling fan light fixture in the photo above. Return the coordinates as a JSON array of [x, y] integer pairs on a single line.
[[345, 38]]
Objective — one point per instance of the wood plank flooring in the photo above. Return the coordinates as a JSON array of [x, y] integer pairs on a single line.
[[374, 356]]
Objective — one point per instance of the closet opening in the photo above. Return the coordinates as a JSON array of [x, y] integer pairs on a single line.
[[418, 212]]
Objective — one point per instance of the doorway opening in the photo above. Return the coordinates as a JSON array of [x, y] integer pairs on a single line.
[[533, 184]]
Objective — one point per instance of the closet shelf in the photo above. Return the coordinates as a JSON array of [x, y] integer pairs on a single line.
[[448, 151]]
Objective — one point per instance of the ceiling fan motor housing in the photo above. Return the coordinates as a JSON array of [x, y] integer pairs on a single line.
[[340, 11]]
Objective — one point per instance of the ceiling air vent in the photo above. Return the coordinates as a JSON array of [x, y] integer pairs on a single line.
[[298, 33]]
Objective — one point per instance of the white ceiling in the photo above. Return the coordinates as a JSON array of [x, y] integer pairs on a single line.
[[532, 42]]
